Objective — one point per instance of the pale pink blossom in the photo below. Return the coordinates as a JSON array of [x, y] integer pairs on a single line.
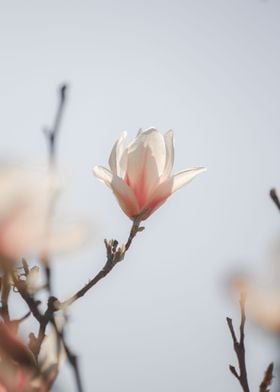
[[24, 204], [140, 174], [19, 371], [262, 301], [26, 198]]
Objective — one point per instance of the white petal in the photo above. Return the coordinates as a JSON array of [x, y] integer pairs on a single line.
[[122, 191], [159, 196], [49, 354], [116, 154], [169, 160], [182, 178], [103, 175], [145, 162], [122, 164], [125, 196]]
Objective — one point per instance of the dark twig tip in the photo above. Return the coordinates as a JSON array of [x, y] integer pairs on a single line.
[[267, 379], [62, 90], [229, 320], [233, 371], [274, 197], [239, 347]]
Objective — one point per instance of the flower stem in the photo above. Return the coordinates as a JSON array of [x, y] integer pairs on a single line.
[[115, 254]]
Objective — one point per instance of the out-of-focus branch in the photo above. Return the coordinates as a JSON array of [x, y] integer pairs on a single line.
[[72, 358], [5, 292], [115, 254], [29, 300], [52, 133], [43, 320], [51, 136], [239, 347], [267, 379], [274, 197]]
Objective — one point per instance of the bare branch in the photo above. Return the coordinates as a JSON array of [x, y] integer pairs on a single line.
[[239, 347], [267, 379], [233, 371], [52, 133], [5, 292], [274, 197], [43, 320], [115, 254], [51, 136], [230, 326]]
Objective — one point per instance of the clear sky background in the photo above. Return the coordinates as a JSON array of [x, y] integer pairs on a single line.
[[210, 71]]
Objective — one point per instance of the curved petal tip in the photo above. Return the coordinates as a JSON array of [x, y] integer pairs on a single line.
[[103, 174]]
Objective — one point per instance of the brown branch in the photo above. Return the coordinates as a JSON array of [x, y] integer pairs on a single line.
[[115, 254], [5, 292], [29, 300], [72, 358], [239, 347], [267, 379], [43, 319], [274, 197], [35, 343], [51, 136]]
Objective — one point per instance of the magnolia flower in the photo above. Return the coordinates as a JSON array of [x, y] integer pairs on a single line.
[[24, 204], [140, 174], [26, 198]]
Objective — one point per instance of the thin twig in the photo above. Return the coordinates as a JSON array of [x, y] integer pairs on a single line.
[[5, 292], [274, 197], [44, 319], [52, 136], [267, 379], [72, 358], [30, 301], [239, 347], [115, 254]]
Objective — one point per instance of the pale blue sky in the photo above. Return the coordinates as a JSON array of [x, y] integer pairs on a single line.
[[210, 71]]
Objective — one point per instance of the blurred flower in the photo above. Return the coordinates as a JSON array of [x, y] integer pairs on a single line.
[[140, 174], [17, 363], [26, 199], [262, 302], [264, 307], [33, 280], [66, 237], [19, 371], [24, 204]]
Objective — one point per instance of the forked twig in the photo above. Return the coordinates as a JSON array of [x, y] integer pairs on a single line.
[[115, 254], [239, 347]]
